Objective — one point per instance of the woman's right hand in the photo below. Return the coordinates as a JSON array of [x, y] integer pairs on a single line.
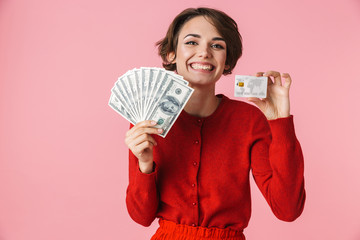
[[141, 143]]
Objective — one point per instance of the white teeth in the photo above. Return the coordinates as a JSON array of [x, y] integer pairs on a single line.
[[201, 66]]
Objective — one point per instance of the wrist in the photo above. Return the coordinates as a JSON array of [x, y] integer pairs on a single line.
[[280, 114], [283, 115], [147, 167]]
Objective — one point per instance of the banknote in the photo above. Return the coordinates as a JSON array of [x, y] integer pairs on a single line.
[[120, 93], [115, 104], [250, 86], [130, 93], [167, 109], [145, 74], [166, 77], [150, 93]]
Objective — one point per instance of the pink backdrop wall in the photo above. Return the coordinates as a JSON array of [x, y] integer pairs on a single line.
[[63, 161]]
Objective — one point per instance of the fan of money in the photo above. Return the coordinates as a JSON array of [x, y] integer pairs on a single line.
[[150, 94]]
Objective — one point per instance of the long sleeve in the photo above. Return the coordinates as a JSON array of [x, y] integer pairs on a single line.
[[142, 199], [278, 166]]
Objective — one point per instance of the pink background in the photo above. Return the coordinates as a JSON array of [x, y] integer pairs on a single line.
[[63, 161]]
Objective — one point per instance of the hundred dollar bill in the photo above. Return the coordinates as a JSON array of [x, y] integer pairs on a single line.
[[153, 86], [144, 79], [115, 104], [166, 78], [125, 89], [121, 95], [148, 77], [138, 85], [250, 86], [161, 82], [169, 106], [150, 94], [134, 85], [131, 89]]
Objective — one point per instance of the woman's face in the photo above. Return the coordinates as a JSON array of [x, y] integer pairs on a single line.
[[200, 53]]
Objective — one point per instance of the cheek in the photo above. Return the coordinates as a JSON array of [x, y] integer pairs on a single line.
[[184, 52], [221, 57]]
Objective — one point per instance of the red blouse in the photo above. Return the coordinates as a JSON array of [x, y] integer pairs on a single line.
[[202, 167]]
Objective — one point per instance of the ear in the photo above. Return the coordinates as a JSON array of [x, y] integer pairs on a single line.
[[227, 67], [171, 58]]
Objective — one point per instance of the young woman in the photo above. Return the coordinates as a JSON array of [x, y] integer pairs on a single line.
[[196, 180]]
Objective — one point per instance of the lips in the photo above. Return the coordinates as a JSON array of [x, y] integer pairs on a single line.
[[202, 66]]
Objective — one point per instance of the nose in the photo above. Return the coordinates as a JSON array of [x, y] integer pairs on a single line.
[[204, 51]]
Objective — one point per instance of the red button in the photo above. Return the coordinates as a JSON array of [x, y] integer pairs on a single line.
[[199, 120], [193, 185], [194, 203], [194, 225], [196, 142], [195, 163]]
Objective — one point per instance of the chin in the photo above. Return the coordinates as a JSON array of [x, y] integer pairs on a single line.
[[202, 82]]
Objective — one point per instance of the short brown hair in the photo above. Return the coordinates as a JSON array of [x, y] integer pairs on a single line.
[[225, 25]]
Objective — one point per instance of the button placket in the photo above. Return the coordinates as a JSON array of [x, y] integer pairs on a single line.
[[196, 141]]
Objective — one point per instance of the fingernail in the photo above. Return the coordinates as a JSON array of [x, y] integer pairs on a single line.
[[153, 123], [159, 130]]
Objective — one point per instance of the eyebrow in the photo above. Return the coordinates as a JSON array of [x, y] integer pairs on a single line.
[[198, 36]]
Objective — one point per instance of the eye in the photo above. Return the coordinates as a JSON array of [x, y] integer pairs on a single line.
[[191, 43], [217, 46]]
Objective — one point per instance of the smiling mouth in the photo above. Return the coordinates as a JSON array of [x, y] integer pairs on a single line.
[[199, 66]]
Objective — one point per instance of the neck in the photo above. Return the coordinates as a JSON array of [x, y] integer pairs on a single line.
[[203, 102]]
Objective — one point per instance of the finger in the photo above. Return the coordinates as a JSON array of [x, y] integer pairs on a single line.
[[269, 81], [142, 131], [287, 80], [139, 149], [275, 75], [147, 130], [143, 138], [259, 74], [146, 123]]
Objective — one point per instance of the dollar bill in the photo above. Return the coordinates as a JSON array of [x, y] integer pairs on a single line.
[[161, 83], [115, 104], [138, 86], [150, 94], [169, 106], [131, 89], [123, 83], [147, 76], [119, 92]]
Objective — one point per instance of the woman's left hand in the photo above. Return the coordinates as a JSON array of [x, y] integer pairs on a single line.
[[277, 102]]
